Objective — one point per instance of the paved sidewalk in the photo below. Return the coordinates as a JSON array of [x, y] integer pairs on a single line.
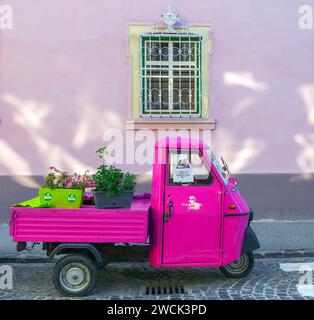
[[275, 237], [270, 279]]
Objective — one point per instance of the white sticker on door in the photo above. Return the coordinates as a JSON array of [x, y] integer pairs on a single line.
[[183, 172]]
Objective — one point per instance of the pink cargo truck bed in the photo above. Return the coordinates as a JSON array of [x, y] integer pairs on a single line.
[[86, 224]]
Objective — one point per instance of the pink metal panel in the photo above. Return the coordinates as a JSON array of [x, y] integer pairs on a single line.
[[157, 205], [234, 197], [179, 142], [228, 231], [233, 233], [86, 224], [192, 234]]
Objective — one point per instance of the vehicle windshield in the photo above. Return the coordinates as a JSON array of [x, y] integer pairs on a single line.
[[224, 174]]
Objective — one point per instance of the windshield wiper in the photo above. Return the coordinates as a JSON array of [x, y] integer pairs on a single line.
[[225, 166]]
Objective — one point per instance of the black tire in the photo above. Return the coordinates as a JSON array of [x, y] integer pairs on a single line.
[[240, 268], [75, 275]]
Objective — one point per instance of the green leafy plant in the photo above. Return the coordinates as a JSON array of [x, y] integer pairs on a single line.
[[102, 152], [129, 181], [50, 181], [111, 179], [108, 179]]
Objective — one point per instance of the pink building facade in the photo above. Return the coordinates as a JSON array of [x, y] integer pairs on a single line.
[[70, 71]]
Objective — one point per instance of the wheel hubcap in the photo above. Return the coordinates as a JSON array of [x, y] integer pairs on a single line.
[[238, 266], [75, 277]]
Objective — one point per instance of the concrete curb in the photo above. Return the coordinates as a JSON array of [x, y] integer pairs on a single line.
[[9, 258], [23, 258], [283, 254]]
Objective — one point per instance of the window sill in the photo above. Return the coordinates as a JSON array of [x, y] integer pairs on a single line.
[[170, 123]]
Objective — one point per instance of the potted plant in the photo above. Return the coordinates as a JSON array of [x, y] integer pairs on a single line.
[[113, 187], [62, 190]]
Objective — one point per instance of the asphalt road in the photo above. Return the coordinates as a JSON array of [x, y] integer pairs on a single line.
[[271, 279]]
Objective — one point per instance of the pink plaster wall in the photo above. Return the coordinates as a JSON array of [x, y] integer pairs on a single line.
[[65, 79]]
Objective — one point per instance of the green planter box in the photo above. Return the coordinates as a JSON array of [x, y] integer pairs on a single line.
[[61, 198]]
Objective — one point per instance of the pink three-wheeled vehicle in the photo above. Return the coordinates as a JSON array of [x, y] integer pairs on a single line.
[[195, 217]]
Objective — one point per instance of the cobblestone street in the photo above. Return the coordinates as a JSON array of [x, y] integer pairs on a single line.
[[270, 279]]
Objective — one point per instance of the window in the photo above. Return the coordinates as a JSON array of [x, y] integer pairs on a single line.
[[187, 168], [224, 175], [170, 75]]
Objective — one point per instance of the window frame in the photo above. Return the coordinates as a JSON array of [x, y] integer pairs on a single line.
[[197, 39], [201, 155]]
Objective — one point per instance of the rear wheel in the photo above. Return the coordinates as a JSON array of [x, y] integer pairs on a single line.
[[75, 275], [240, 268]]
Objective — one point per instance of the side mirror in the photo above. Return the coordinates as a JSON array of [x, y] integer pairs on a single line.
[[233, 181]]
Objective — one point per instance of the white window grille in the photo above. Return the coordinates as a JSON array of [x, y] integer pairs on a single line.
[[170, 75]]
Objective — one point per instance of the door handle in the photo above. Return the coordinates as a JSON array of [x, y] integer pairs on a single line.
[[168, 214], [170, 207]]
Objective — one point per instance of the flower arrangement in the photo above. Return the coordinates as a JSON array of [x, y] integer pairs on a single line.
[[111, 179], [57, 179], [113, 187], [62, 190]]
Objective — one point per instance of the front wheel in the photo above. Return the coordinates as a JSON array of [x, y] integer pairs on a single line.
[[75, 275], [240, 268]]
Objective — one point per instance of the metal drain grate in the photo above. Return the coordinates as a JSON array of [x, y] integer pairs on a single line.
[[164, 289]]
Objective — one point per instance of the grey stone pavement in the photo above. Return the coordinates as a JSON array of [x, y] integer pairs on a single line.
[[271, 279], [130, 280]]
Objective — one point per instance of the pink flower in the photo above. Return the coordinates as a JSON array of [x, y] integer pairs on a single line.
[[69, 185], [75, 179]]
